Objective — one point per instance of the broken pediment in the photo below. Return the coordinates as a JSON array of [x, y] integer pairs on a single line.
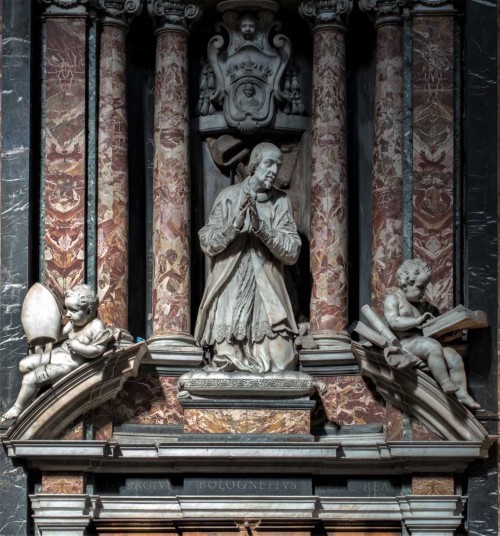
[[82, 390], [417, 393]]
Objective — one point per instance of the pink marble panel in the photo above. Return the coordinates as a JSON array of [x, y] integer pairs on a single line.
[[387, 190], [420, 432], [74, 431], [349, 401], [65, 152], [394, 423], [103, 422], [65, 483], [112, 207], [432, 485], [246, 421], [433, 152], [148, 400], [329, 184], [171, 194]]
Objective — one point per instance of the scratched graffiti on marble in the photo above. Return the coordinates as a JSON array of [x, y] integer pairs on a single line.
[[387, 191], [112, 208], [65, 153], [329, 185], [433, 152], [171, 223]]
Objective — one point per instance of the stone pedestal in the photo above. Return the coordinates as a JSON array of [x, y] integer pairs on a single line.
[[245, 403]]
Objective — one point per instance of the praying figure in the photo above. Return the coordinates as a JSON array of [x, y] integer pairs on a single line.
[[406, 314], [245, 316], [83, 337]]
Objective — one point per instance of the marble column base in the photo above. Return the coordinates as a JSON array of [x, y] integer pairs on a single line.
[[61, 515], [333, 355], [177, 350]]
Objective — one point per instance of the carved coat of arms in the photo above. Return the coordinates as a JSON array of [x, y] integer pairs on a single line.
[[246, 74]]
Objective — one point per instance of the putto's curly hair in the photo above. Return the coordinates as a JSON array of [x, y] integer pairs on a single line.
[[86, 296], [410, 270], [256, 155]]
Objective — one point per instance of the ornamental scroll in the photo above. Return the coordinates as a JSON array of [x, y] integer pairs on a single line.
[[244, 77]]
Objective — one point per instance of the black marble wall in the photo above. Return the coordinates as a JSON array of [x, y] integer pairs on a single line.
[[15, 253], [480, 241]]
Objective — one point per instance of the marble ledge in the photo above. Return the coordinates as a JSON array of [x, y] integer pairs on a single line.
[[427, 512], [345, 456]]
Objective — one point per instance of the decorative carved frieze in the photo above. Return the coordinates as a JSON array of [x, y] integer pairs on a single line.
[[65, 4], [382, 7], [244, 73], [120, 11], [325, 12], [174, 15]]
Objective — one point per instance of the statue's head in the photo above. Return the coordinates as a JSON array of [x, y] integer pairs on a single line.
[[248, 27], [81, 303], [265, 162], [413, 277], [249, 90]]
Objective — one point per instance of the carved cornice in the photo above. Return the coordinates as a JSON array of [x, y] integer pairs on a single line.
[[321, 13], [386, 11], [174, 15], [119, 12], [434, 6], [66, 7]]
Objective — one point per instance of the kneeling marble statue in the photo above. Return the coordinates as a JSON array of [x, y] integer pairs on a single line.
[[406, 314], [246, 317], [83, 337]]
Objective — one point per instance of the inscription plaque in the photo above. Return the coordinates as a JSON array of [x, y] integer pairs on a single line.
[[357, 487], [135, 486], [247, 485]]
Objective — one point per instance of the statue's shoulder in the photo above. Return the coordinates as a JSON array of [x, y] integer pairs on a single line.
[[230, 192]]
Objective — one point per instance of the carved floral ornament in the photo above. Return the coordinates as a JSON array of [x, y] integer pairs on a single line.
[[177, 14], [122, 10], [382, 7], [321, 12]]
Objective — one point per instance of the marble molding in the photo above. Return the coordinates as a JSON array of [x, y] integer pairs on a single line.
[[66, 483], [246, 421], [387, 187], [112, 202], [328, 250], [65, 148], [433, 152]]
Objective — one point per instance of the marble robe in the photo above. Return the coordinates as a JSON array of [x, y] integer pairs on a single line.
[[245, 315]]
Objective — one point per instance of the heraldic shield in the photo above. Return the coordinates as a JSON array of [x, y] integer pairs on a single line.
[[248, 71]]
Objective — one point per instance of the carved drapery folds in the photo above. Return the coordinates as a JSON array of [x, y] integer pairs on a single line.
[[329, 172], [244, 75]]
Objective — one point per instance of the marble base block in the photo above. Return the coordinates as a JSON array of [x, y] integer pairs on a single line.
[[245, 403], [178, 351]]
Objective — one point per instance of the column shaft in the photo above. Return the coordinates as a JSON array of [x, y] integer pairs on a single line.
[[112, 209], [387, 190], [329, 184], [171, 189], [65, 148], [433, 152]]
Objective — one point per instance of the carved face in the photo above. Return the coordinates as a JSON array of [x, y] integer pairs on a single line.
[[249, 90], [266, 171], [415, 292], [248, 27], [76, 314]]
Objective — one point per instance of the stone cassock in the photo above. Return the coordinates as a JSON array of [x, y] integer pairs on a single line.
[[245, 315]]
